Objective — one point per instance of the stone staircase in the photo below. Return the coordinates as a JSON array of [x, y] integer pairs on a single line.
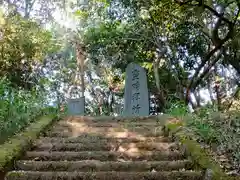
[[81, 148]]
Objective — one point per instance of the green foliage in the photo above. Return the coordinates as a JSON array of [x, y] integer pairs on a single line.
[[16, 145], [23, 44], [209, 158], [81, 14], [204, 130], [115, 42], [18, 108], [177, 109], [221, 132]]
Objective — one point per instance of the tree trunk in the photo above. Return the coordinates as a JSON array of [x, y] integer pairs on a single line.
[[210, 91], [234, 97], [82, 84], [217, 89], [197, 97], [159, 94], [194, 106]]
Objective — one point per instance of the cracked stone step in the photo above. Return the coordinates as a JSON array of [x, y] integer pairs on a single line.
[[106, 146], [102, 155], [94, 165], [173, 175], [93, 139]]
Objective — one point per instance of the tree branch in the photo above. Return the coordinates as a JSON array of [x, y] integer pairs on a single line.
[[236, 18], [217, 14], [200, 3], [157, 42], [205, 72], [193, 84], [28, 8], [234, 96], [230, 3], [182, 2]]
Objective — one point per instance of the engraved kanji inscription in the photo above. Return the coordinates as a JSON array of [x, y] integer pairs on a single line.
[[136, 96], [136, 85], [135, 109], [135, 74]]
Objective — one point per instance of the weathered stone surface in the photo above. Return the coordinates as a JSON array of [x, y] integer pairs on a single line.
[[130, 155], [136, 96], [76, 106]]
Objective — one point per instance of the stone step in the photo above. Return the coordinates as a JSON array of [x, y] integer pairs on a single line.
[[172, 175], [90, 129], [116, 119], [105, 146], [65, 124], [94, 165], [102, 155], [73, 147], [87, 148], [93, 139], [116, 133]]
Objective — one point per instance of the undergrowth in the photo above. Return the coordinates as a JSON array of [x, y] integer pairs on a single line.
[[18, 108], [215, 130]]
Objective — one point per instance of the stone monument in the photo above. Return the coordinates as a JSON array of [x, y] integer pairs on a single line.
[[76, 106], [136, 95]]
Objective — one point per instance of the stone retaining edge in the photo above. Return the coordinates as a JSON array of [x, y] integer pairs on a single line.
[[18, 144]]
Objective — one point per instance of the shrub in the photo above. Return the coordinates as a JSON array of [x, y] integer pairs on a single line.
[[18, 108], [220, 131]]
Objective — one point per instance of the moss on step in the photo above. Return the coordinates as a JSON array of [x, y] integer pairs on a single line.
[[199, 156], [172, 175], [14, 148], [102, 155], [94, 165], [101, 139], [118, 134], [105, 146]]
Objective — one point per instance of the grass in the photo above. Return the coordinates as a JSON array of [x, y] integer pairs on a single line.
[[221, 133], [214, 130], [217, 132]]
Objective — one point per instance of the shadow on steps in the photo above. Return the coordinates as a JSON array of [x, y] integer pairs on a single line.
[[92, 147]]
